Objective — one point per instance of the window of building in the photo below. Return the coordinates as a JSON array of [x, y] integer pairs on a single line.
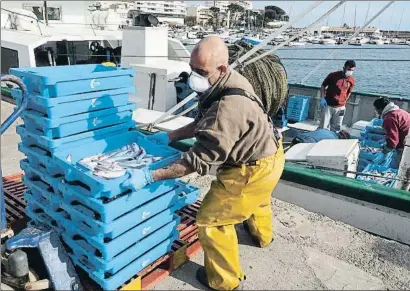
[[53, 13], [37, 10], [9, 59]]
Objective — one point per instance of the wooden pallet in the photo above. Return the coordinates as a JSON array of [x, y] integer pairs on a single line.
[[182, 251]]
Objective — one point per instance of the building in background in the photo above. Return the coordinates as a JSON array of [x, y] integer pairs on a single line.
[[200, 13], [58, 12], [223, 5], [166, 11]]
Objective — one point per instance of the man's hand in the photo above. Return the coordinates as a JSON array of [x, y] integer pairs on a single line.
[[159, 137], [138, 179]]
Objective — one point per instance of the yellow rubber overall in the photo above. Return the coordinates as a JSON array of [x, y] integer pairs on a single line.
[[238, 194]]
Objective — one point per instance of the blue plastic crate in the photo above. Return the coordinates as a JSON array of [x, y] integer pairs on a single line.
[[298, 108], [362, 165], [127, 244], [84, 219], [76, 104], [113, 265], [375, 126], [380, 169], [106, 248], [375, 158], [40, 158], [68, 80], [110, 281], [36, 122], [374, 144], [113, 281], [54, 144], [297, 117], [76, 173], [374, 136], [103, 210], [390, 157]]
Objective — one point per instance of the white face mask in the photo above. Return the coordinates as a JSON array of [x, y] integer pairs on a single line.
[[199, 83], [349, 73]]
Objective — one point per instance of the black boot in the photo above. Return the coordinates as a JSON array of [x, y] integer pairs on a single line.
[[203, 279]]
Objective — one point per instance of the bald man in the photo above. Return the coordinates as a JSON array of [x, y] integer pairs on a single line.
[[233, 133]]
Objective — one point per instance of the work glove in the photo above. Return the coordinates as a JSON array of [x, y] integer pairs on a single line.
[[323, 103], [159, 137], [138, 179]]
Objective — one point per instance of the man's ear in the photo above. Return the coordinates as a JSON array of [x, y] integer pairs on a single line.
[[223, 68]]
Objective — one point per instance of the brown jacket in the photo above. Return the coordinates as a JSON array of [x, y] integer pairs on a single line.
[[233, 131]]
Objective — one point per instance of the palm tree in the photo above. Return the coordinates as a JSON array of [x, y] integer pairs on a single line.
[[236, 12], [215, 16]]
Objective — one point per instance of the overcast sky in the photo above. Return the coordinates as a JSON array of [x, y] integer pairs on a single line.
[[389, 19]]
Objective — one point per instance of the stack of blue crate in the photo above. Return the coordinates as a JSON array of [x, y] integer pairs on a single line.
[[109, 231], [373, 138], [298, 108]]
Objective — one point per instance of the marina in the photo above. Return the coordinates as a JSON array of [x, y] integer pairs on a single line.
[[339, 223]]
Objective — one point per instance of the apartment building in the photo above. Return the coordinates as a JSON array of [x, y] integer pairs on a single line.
[[200, 12], [165, 11], [223, 5]]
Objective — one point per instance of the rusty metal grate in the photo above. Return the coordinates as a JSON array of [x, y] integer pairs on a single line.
[[14, 198]]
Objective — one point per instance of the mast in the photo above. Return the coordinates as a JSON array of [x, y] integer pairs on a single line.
[[355, 9], [398, 28], [45, 13]]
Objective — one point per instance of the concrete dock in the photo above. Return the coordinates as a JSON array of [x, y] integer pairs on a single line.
[[311, 251]]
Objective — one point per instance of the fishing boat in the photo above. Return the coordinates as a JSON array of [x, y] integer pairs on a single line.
[[316, 40], [376, 39], [252, 40], [296, 44], [327, 39]]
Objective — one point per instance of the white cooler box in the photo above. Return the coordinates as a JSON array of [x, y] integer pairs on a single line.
[[336, 154]]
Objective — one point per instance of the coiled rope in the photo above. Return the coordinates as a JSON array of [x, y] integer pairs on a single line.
[[267, 76]]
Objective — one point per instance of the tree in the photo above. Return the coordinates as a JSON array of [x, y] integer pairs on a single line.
[[236, 12], [273, 13], [215, 16]]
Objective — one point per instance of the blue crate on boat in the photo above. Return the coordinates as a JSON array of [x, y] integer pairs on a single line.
[[75, 104], [372, 167], [390, 157], [68, 80], [112, 278], [36, 122], [375, 158], [374, 136], [374, 144], [76, 173], [298, 108], [103, 210], [53, 144], [375, 126], [362, 164]]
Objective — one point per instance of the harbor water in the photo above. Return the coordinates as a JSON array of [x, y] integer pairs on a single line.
[[373, 75]]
